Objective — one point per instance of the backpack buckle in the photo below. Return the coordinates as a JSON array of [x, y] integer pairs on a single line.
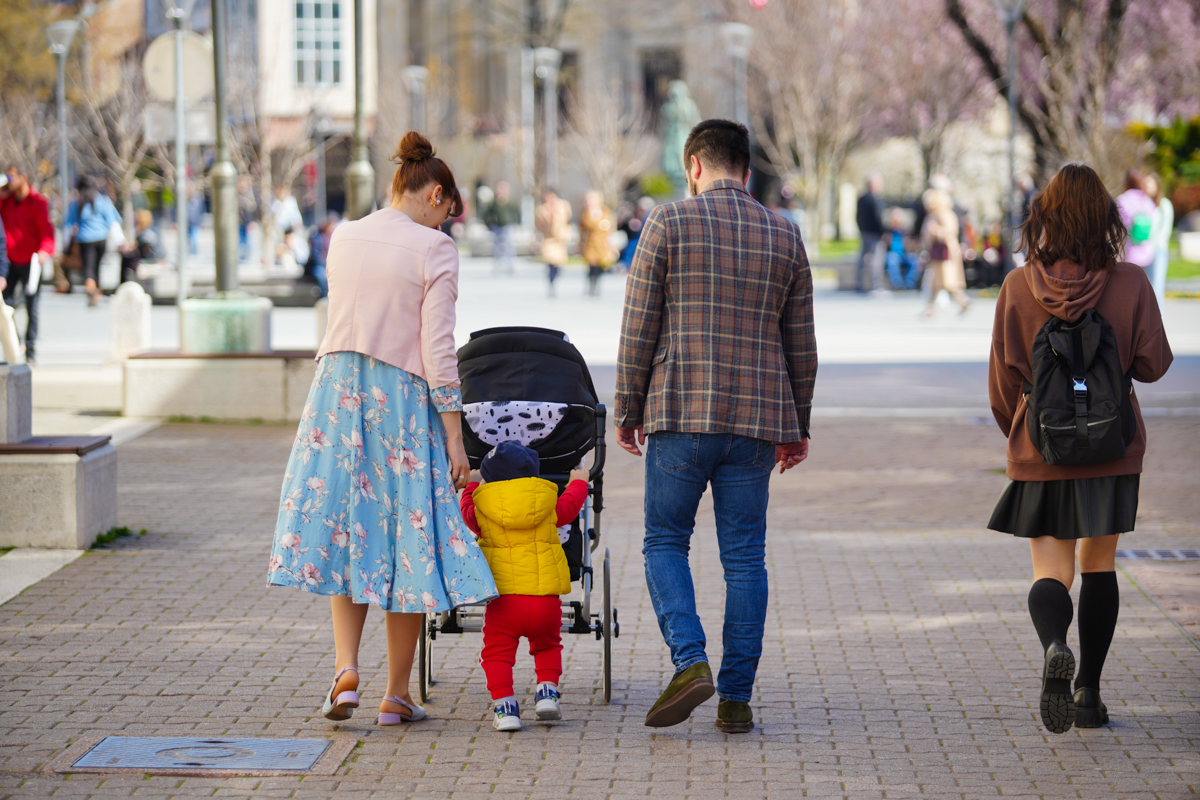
[[1080, 385]]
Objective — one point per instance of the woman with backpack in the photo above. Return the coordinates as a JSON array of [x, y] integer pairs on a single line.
[[1073, 328], [1138, 211]]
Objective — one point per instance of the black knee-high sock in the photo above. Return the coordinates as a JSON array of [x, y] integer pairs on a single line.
[[1051, 609], [1099, 603]]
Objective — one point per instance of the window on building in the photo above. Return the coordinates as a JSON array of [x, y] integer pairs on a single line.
[[318, 42], [659, 68]]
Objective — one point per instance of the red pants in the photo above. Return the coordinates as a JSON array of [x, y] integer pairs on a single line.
[[506, 620]]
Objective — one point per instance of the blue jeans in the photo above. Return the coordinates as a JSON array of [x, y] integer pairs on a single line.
[[911, 277], [1158, 273], [679, 466]]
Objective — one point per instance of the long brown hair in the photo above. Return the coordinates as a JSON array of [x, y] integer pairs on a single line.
[[418, 167], [1074, 218]]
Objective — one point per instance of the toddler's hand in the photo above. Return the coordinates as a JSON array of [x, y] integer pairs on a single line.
[[476, 476], [580, 475]]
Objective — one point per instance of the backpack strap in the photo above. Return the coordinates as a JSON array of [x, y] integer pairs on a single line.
[[1079, 381]]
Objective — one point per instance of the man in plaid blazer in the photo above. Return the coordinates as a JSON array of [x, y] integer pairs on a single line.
[[716, 368]]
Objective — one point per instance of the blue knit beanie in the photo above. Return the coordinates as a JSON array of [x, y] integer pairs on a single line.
[[510, 460]]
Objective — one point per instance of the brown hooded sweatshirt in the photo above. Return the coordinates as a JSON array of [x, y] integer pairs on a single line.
[[1030, 295]]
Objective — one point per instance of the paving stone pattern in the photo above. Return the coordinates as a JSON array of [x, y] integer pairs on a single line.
[[899, 659]]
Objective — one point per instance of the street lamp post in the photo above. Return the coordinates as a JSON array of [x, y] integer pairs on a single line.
[[737, 37], [416, 78], [546, 61], [224, 173], [177, 11], [1010, 12], [360, 175], [527, 115], [60, 34]]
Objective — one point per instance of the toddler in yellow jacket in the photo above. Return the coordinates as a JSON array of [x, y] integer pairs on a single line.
[[516, 516]]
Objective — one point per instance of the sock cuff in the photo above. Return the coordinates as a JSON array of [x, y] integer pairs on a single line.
[[1098, 578]]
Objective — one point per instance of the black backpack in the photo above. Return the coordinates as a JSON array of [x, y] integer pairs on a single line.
[[1080, 406]]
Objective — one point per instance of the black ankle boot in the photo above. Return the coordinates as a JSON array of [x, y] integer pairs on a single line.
[[1090, 711]]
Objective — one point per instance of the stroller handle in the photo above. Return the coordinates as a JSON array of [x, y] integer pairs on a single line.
[[597, 468]]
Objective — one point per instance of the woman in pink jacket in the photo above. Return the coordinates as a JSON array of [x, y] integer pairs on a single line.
[[369, 514]]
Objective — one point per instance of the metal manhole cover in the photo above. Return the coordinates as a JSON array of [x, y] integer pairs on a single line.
[[1161, 555], [153, 753]]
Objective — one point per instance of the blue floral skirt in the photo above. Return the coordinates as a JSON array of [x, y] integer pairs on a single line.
[[368, 507]]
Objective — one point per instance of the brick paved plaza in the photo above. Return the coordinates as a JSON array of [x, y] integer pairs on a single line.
[[899, 658]]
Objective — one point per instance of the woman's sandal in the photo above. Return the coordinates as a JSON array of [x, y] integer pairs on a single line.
[[340, 707], [387, 718]]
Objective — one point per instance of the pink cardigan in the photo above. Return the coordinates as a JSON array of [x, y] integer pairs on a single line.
[[392, 288]]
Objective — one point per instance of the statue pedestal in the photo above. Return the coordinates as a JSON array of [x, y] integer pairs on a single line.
[[226, 325]]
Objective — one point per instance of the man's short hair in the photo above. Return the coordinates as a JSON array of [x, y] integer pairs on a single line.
[[719, 144]]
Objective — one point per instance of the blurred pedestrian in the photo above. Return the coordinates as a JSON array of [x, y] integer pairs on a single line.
[[90, 220], [318, 251], [870, 227], [285, 210], [632, 228], [146, 246], [1074, 302], [552, 220], [903, 267], [500, 216], [939, 237], [596, 223], [1160, 237], [195, 216], [28, 232], [1137, 214], [247, 213]]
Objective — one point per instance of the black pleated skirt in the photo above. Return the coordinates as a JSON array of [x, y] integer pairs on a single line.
[[1074, 509]]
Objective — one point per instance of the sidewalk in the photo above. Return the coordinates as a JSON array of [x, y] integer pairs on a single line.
[[899, 658]]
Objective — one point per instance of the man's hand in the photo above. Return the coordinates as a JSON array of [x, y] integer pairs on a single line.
[[3, 284], [43, 257], [630, 438], [789, 455]]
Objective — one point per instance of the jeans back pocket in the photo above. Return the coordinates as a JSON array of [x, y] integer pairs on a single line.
[[674, 452]]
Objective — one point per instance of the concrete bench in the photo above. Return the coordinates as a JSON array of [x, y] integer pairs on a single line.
[[271, 386], [59, 491]]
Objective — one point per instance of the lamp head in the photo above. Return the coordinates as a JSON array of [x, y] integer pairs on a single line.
[[737, 37], [60, 34]]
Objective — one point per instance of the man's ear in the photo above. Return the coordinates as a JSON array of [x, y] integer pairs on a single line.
[[695, 168]]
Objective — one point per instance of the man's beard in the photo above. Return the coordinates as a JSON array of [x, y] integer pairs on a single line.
[[691, 186]]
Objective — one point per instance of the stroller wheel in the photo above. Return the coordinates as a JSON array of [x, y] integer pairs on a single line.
[[425, 659]]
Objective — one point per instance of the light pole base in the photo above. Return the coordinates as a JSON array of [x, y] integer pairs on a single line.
[[225, 224], [360, 189], [228, 324]]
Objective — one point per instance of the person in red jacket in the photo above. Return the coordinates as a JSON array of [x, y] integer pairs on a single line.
[[515, 513], [25, 213]]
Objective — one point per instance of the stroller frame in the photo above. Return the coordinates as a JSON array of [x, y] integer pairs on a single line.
[[578, 616]]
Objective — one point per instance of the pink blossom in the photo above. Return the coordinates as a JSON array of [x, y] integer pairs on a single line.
[[427, 599], [289, 541], [317, 439], [459, 546], [341, 537], [275, 563], [332, 417], [379, 395], [290, 505], [409, 461], [406, 562], [360, 531], [418, 519], [310, 574], [394, 463], [316, 484], [372, 597], [363, 489], [350, 400]]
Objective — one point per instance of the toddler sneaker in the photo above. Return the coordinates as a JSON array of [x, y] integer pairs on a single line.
[[507, 715], [547, 702]]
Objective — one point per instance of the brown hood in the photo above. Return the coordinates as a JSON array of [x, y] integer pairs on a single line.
[[1065, 289]]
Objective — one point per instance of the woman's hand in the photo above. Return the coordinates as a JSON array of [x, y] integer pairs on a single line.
[[460, 468]]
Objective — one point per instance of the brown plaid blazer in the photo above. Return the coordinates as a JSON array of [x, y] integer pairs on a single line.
[[717, 335]]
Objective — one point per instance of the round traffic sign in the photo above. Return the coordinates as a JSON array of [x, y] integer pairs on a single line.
[[159, 67]]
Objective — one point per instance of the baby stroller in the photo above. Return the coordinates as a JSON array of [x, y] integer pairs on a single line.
[[533, 386]]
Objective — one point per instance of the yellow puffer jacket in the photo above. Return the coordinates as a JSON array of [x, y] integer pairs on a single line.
[[519, 537]]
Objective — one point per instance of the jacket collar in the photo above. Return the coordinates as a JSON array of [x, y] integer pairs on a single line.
[[725, 183]]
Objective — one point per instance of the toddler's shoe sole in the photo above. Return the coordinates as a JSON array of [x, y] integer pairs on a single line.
[[1058, 702], [506, 724], [547, 711]]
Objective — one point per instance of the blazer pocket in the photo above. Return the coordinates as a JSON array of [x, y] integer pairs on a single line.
[[661, 355]]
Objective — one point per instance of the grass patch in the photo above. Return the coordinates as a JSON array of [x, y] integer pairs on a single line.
[[113, 534], [1179, 269], [840, 248], [184, 419], [5, 550]]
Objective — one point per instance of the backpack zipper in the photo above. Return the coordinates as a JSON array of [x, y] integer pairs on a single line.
[[1046, 427]]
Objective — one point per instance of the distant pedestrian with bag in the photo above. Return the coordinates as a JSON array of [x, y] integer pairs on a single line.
[[1073, 328], [596, 224], [28, 233], [940, 238], [90, 220], [1161, 226], [552, 220], [716, 367], [1138, 210]]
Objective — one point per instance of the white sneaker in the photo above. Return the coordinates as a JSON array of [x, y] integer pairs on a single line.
[[507, 716], [547, 702]]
